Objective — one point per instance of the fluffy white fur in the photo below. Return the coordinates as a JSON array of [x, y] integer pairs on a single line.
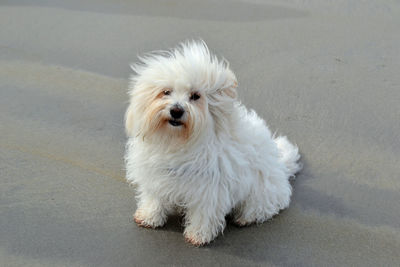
[[219, 157]]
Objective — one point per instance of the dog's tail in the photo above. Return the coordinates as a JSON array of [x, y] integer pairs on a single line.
[[289, 155]]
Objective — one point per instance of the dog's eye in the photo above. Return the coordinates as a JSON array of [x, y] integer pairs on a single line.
[[167, 92], [195, 96]]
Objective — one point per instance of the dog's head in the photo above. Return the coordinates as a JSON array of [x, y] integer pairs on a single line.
[[179, 95]]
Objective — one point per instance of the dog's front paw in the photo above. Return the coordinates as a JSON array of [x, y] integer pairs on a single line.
[[148, 220], [197, 238]]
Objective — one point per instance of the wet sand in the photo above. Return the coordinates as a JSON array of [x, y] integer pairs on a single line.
[[325, 74]]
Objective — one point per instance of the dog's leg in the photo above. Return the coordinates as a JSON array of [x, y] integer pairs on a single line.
[[204, 222], [151, 212], [265, 200]]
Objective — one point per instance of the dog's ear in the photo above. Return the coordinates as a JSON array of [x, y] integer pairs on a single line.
[[230, 89], [129, 120]]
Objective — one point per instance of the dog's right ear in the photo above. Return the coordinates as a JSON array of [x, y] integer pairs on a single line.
[[129, 120]]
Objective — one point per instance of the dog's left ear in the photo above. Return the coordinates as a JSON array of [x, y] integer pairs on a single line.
[[230, 89]]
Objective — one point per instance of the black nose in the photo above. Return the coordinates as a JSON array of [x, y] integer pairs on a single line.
[[176, 112]]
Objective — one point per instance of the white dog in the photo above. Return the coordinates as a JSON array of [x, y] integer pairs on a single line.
[[193, 146]]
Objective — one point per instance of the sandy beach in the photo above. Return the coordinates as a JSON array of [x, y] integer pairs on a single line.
[[324, 73]]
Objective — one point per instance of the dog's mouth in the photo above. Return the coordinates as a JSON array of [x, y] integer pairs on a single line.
[[175, 123]]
